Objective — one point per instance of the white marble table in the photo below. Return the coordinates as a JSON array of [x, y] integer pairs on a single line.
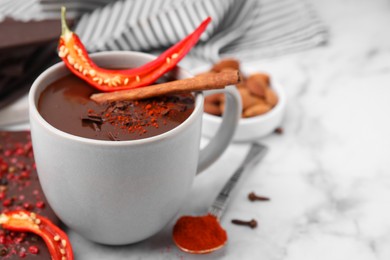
[[328, 175]]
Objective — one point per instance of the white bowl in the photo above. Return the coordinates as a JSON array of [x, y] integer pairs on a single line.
[[253, 128]]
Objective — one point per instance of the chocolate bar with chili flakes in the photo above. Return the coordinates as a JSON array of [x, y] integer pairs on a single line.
[[20, 189]]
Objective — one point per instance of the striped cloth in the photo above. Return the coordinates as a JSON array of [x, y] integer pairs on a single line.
[[245, 29]]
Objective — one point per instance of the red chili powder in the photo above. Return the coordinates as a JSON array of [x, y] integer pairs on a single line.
[[199, 233]]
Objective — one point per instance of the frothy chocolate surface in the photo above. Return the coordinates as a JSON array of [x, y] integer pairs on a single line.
[[65, 104]]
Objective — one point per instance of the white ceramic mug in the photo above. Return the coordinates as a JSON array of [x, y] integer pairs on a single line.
[[122, 192]]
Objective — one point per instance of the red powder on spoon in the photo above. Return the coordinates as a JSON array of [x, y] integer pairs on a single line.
[[199, 234]]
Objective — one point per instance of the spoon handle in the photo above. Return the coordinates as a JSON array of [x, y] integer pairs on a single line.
[[255, 154]]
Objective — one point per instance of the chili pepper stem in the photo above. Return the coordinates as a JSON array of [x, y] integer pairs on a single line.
[[65, 32]]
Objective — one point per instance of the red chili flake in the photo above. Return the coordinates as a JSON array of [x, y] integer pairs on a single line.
[[7, 153], [2, 239], [27, 205], [28, 147], [7, 202], [27, 183], [3, 167], [22, 254], [19, 151], [2, 195], [14, 160], [21, 166], [33, 250], [40, 204], [19, 240], [25, 174]]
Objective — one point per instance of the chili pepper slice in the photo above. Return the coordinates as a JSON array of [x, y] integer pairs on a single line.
[[56, 239], [72, 51]]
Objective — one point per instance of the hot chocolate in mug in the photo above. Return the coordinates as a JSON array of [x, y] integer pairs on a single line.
[[121, 192]]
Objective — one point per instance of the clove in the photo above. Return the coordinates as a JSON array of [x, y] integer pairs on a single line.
[[251, 223], [279, 130], [253, 197]]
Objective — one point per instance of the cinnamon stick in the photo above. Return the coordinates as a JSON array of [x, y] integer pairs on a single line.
[[200, 83]]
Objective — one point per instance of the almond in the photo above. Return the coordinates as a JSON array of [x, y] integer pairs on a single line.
[[248, 100], [256, 110], [222, 107], [212, 108], [242, 83], [270, 97], [226, 63], [257, 84], [215, 98]]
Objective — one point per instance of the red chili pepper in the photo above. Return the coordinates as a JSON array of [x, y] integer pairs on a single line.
[[73, 53], [56, 239]]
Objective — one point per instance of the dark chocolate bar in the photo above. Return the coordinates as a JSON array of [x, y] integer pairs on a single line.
[[15, 34], [26, 50]]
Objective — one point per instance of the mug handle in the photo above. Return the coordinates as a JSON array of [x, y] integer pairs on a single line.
[[217, 145]]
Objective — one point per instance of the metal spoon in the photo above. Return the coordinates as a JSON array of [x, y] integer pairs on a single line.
[[255, 154]]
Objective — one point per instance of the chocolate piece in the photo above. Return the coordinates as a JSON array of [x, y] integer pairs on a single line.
[[26, 50], [66, 105], [18, 73], [20, 189], [15, 34]]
